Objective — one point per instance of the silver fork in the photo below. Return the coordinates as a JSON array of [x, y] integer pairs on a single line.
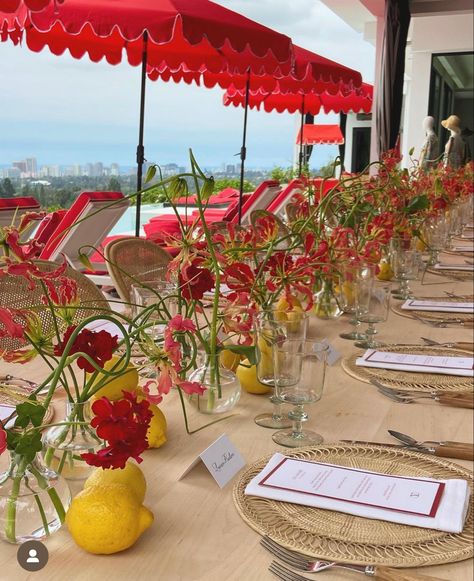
[[439, 324], [302, 563]]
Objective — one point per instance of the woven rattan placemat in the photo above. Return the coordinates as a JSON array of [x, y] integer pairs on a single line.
[[335, 536], [406, 380], [15, 390], [431, 315]]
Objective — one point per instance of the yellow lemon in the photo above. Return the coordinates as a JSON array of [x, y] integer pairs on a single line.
[[156, 434], [284, 304], [264, 342], [348, 291], [107, 519], [127, 381], [131, 476], [385, 272], [229, 359], [249, 380], [420, 245]]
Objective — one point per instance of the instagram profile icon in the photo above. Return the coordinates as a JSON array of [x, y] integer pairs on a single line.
[[32, 555]]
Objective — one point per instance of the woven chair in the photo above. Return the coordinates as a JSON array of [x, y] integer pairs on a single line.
[[16, 294], [141, 259]]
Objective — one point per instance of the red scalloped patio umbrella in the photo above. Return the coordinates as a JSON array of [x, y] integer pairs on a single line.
[[311, 73], [355, 101], [34, 5], [191, 35]]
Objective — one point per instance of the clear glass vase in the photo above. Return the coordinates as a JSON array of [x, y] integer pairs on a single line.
[[223, 387], [326, 305], [33, 500], [63, 445]]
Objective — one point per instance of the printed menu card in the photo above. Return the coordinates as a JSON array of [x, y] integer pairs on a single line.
[[438, 306], [357, 486], [445, 365], [415, 501]]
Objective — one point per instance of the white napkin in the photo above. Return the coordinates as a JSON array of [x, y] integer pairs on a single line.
[[450, 515], [444, 365], [5, 412], [440, 266], [463, 248], [438, 306]]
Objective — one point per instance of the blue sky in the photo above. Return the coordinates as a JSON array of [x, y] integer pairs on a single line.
[[66, 111]]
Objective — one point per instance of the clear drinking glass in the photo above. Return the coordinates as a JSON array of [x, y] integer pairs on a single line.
[[372, 302], [346, 296], [406, 267], [300, 368], [270, 328], [437, 238], [158, 294]]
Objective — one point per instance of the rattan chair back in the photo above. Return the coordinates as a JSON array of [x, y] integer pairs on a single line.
[[16, 294], [134, 259]]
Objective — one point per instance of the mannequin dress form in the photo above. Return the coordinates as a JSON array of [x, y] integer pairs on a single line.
[[455, 150], [429, 149]]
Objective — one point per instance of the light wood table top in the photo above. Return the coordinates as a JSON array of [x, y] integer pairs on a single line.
[[197, 534]]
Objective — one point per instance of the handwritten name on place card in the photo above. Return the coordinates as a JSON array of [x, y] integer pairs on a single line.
[[221, 458]]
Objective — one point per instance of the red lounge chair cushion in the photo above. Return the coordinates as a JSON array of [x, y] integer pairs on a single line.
[[48, 225], [25, 202]]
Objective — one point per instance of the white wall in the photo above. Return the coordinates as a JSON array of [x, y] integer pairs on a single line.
[[430, 34]]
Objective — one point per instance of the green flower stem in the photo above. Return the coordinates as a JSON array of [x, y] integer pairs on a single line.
[[52, 493], [10, 524], [44, 520]]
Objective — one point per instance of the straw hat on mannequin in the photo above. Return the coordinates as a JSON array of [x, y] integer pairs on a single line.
[[455, 150]]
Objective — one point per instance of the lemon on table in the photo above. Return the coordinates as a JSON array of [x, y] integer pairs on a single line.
[[126, 381], [131, 476], [385, 271], [249, 380], [288, 303], [106, 519], [156, 434], [229, 359]]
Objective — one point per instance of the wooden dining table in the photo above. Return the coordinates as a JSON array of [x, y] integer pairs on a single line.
[[197, 534]]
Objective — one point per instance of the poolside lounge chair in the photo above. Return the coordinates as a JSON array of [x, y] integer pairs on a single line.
[[74, 233], [12, 209], [278, 205], [263, 195]]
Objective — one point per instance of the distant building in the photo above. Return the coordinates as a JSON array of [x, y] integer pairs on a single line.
[[230, 169], [77, 170], [98, 169], [114, 169], [31, 167], [21, 165], [11, 173]]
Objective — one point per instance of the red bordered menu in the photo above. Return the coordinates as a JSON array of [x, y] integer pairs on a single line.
[[397, 493]]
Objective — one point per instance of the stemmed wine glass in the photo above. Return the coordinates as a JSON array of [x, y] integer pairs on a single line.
[[436, 238], [272, 327], [300, 368], [346, 295], [406, 267], [372, 302]]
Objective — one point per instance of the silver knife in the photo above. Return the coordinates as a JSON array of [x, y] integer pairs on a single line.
[[447, 449]]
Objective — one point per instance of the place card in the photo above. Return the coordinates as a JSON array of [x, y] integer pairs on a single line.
[[445, 365], [221, 458], [397, 493], [438, 306], [333, 354], [5, 412]]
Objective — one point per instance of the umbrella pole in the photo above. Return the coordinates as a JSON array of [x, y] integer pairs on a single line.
[[300, 163], [243, 149], [140, 147]]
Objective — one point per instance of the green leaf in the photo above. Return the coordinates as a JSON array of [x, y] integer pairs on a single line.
[[417, 203], [28, 445], [248, 351], [29, 411], [150, 174], [411, 151]]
